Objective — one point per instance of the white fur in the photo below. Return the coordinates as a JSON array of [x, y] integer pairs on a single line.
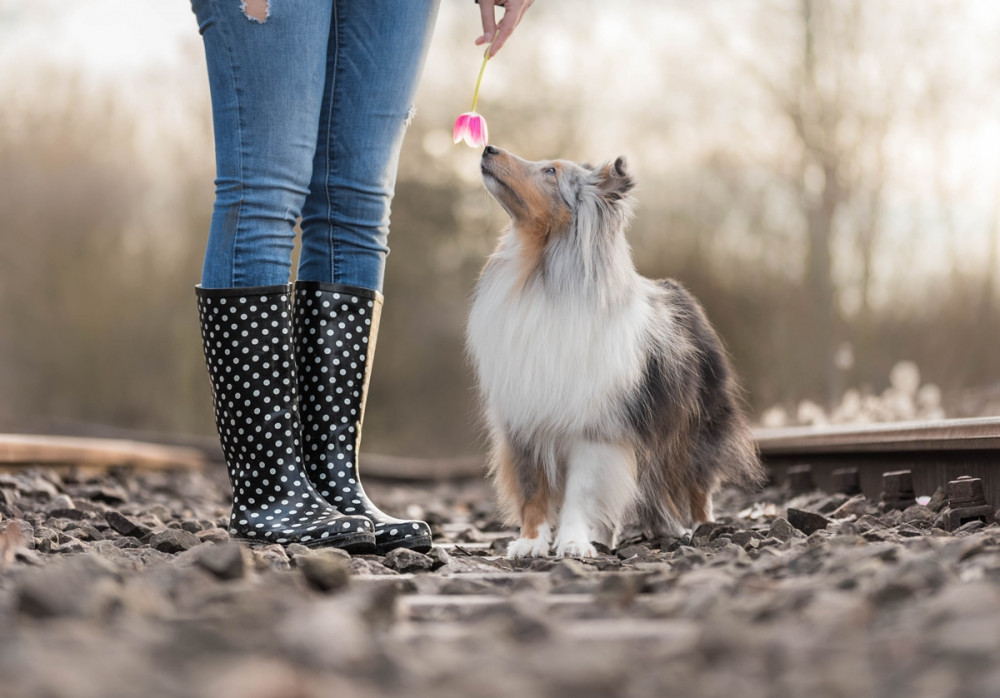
[[553, 365], [532, 547], [600, 487]]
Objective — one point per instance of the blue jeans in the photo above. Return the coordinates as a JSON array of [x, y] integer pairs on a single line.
[[309, 108]]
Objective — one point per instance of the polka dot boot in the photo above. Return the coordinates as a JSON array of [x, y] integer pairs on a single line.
[[247, 335], [335, 331]]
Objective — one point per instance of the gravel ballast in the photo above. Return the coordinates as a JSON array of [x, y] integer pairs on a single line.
[[128, 584]]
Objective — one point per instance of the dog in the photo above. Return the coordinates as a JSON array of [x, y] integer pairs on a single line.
[[608, 396]]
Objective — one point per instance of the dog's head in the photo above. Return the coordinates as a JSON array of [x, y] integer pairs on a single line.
[[569, 218], [549, 196]]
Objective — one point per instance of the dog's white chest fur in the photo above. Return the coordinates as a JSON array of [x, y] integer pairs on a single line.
[[553, 363]]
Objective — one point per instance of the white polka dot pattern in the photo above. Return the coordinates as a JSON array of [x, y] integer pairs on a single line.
[[247, 337], [335, 331]]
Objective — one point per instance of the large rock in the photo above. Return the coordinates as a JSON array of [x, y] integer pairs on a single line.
[[80, 586]]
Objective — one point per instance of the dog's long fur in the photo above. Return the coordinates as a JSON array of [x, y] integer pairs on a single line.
[[607, 394]]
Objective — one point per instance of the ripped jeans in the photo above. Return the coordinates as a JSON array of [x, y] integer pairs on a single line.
[[310, 101]]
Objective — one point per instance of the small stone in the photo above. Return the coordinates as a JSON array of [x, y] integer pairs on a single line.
[[720, 543], [634, 552], [109, 494], [440, 557], [173, 540], [918, 514], [741, 538], [60, 501], [908, 531], [325, 570], [215, 535], [807, 521], [938, 500], [71, 546], [296, 549], [70, 514], [855, 506], [84, 531], [405, 561], [601, 548], [669, 544], [44, 537], [782, 530], [969, 527], [830, 504], [123, 525], [706, 529], [225, 560], [270, 557], [566, 570], [191, 526]]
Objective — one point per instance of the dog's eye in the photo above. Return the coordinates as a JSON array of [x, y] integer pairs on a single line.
[[550, 170]]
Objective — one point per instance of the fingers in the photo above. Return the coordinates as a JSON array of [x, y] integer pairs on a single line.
[[513, 12], [488, 15]]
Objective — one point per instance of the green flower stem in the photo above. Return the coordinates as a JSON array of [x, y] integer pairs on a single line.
[[479, 80]]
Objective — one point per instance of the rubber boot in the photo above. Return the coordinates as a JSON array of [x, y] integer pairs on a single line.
[[335, 331], [247, 336]]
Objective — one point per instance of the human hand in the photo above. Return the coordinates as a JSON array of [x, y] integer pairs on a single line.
[[513, 10]]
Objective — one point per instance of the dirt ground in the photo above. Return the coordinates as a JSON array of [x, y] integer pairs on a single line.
[[125, 585]]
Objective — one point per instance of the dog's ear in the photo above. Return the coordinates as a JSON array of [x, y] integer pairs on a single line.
[[614, 181]]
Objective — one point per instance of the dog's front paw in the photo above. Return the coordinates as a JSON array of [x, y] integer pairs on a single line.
[[575, 548], [528, 547]]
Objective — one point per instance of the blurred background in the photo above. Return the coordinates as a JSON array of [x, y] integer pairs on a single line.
[[824, 175]]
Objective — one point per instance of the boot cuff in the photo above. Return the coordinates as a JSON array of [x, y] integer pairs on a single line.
[[339, 288], [241, 291]]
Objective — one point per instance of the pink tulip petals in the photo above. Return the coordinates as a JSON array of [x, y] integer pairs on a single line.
[[471, 127]]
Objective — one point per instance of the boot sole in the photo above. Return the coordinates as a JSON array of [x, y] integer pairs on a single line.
[[357, 544], [420, 544]]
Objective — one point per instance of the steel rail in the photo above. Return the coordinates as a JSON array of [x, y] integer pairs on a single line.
[[935, 451]]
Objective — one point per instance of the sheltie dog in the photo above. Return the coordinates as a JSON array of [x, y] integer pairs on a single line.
[[608, 396]]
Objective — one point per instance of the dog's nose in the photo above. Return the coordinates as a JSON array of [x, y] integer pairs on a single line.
[[490, 150]]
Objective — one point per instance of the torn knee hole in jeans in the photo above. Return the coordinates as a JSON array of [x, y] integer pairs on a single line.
[[256, 10]]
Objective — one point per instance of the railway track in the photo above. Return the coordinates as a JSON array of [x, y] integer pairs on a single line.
[[935, 452]]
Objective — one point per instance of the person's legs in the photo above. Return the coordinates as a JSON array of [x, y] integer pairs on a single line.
[[267, 80], [376, 52], [266, 75]]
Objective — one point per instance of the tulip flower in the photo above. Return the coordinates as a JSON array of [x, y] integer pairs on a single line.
[[471, 126]]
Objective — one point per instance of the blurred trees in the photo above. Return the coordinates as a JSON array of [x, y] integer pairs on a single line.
[[809, 169], [95, 299]]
